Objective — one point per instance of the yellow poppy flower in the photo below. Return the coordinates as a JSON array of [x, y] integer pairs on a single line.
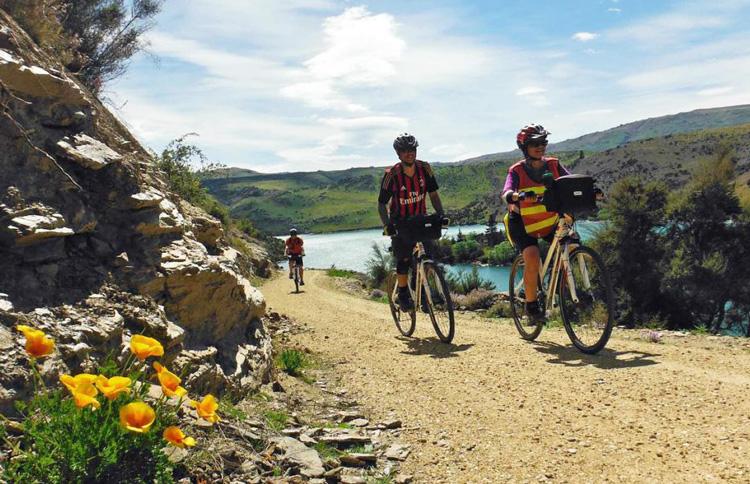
[[207, 408], [170, 383], [38, 344], [143, 347], [137, 417], [111, 387], [177, 437], [85, 395], [73, 382]]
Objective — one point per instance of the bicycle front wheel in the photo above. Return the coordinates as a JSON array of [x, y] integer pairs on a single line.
[[589, 317], [296, 279], [528, 329], [439, 302], [405, 322]]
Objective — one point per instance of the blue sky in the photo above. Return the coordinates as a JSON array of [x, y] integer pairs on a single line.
[[302, 85]]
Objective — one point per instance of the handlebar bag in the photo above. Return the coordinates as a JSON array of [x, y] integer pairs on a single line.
[[420, 228], [574, 194]]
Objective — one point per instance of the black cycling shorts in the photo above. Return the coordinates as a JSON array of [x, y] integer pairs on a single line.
[[518, 234], [402, 251], [297, 260]]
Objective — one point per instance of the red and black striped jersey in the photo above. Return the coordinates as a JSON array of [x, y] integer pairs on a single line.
[[407, 194]]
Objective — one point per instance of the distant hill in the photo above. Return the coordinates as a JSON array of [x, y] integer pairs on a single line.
[[647, 128], [325, 201]]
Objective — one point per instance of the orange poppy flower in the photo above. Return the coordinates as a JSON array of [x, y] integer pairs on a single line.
[[177, 437], [111, 387], [82, 388], [73, 382], [207, 408], [170, 383], [85, 395], [137, 417], [143, 347], [38, 344]]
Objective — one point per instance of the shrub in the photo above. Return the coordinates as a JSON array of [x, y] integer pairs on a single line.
[[291, 361], [476, 299], [110, 429], [501, 254], [466, 250], [465, 282], [501, 309], [379, 266]]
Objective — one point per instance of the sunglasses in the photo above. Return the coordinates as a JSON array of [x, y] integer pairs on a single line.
[[537, 143]]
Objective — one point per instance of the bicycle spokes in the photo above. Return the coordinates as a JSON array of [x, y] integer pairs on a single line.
[[586, 300]]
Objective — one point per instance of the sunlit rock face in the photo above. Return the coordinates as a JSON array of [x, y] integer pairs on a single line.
[[94, 248]]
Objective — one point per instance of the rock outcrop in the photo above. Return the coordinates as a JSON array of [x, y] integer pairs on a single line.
[[94, 248]]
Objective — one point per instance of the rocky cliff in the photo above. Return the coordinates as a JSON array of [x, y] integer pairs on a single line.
[[94, 248]]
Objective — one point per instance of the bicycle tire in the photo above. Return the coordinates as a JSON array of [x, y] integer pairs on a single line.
[[445, 327], [296, 279], [594, 313], [517, 303], [405, 323]]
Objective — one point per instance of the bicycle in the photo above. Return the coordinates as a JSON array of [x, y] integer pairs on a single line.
[[572, 280], [295, 272], [427, 286]]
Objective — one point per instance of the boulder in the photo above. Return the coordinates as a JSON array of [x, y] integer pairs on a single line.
[[87, 151]]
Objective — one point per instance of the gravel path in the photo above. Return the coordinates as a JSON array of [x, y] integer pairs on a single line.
[[493, 408]]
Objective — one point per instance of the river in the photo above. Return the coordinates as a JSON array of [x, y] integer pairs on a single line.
[[350, 250]]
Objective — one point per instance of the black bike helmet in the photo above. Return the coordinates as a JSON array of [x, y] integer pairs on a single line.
[[405, 142], [293, 231], [530, 132]]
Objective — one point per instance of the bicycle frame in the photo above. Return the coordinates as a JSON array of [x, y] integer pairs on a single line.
[[559, 256], [420, 254]]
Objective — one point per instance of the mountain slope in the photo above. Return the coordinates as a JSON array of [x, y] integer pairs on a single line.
[[646, 128], [346, 199]]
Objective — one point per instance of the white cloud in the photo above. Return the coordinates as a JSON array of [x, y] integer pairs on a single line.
[[530, 90], [715, 91], [667, 28], [584, 36], [614, 10]]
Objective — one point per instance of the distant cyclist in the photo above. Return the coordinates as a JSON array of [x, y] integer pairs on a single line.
[[528, 220], [406, 185], [295, 251]]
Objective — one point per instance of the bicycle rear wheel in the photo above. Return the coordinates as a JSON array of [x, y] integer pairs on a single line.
[[405, 322], [589, 320], [527, 328], [441, 307]]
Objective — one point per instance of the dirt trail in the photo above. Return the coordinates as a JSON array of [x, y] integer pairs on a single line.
[[493, 408]]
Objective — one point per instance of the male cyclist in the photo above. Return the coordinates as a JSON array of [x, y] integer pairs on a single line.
[[406, 185], [295, 251], [528, 220]]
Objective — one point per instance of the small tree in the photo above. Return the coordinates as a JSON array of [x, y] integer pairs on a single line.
[[632, 247], [109, 32], [491, 232], [707, 249]]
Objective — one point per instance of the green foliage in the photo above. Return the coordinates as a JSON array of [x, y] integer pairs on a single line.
[[276, 419], [178, 161], [684, 262], [379, 266], [65, 444], [501, 254], [334, 272], [291, 361], [632, 247], [467, 250], [465, 282]]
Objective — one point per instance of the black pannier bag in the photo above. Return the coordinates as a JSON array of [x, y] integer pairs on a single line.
[[420, 228], [572, 194]]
